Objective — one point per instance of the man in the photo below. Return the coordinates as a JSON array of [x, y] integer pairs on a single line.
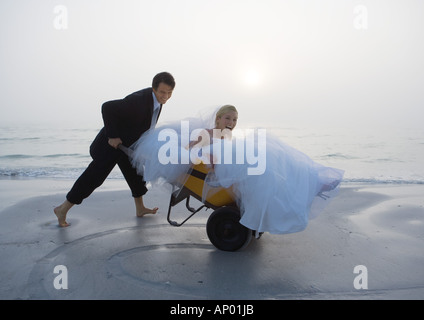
[[124, 122]]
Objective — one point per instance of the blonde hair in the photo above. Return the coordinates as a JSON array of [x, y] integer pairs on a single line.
[[223, 110]]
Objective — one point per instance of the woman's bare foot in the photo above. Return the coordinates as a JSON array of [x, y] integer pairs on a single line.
[[141, 210], [61, 212]]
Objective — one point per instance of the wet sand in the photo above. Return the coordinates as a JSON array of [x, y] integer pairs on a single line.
[[109, 253]]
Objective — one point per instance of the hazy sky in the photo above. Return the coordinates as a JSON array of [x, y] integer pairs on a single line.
[[353, 63]]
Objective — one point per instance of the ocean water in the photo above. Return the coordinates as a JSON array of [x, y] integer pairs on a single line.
[[374, 156]]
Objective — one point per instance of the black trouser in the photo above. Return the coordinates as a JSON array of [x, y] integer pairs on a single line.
[[105, 158]]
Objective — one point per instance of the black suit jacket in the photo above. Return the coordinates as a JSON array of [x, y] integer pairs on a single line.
[[130, 117]]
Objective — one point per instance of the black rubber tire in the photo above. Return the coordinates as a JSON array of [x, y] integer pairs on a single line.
[[225, 231]]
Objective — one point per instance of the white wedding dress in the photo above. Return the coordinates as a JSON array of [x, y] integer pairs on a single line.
[[287, 189]]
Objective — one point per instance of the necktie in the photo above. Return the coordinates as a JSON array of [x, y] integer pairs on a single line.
[[155, 116]]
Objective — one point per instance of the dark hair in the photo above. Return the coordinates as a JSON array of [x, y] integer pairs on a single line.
[[164, 77]]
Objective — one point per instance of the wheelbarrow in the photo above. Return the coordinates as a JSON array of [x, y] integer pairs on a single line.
[[223, 227]]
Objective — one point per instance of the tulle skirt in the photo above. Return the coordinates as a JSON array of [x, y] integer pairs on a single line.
[[278, 188]]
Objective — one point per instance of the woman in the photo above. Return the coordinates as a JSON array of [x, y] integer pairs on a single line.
[[225, 121], [278, 199]]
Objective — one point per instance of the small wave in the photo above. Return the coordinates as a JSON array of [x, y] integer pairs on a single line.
[[16, 156], [28, 156], [50, 172], [75, 172], [338, 156], [19, 139], [382, 181], [58, 155], [30, 138]]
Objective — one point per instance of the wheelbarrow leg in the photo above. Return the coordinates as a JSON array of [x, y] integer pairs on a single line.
[[175, 200]]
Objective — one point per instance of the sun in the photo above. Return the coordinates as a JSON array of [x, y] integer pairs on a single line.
[[252, 77]]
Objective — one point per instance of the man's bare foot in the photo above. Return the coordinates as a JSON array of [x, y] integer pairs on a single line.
[[61, 212], [61, 217], [141, 210], [142, 213]]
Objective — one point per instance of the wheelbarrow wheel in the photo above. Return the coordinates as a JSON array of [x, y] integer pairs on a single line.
[[225, 231]]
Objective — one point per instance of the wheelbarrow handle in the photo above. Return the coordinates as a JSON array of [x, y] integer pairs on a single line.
[[129, 152]]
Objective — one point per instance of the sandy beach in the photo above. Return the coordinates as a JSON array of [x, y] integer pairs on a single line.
[[108, 253]]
